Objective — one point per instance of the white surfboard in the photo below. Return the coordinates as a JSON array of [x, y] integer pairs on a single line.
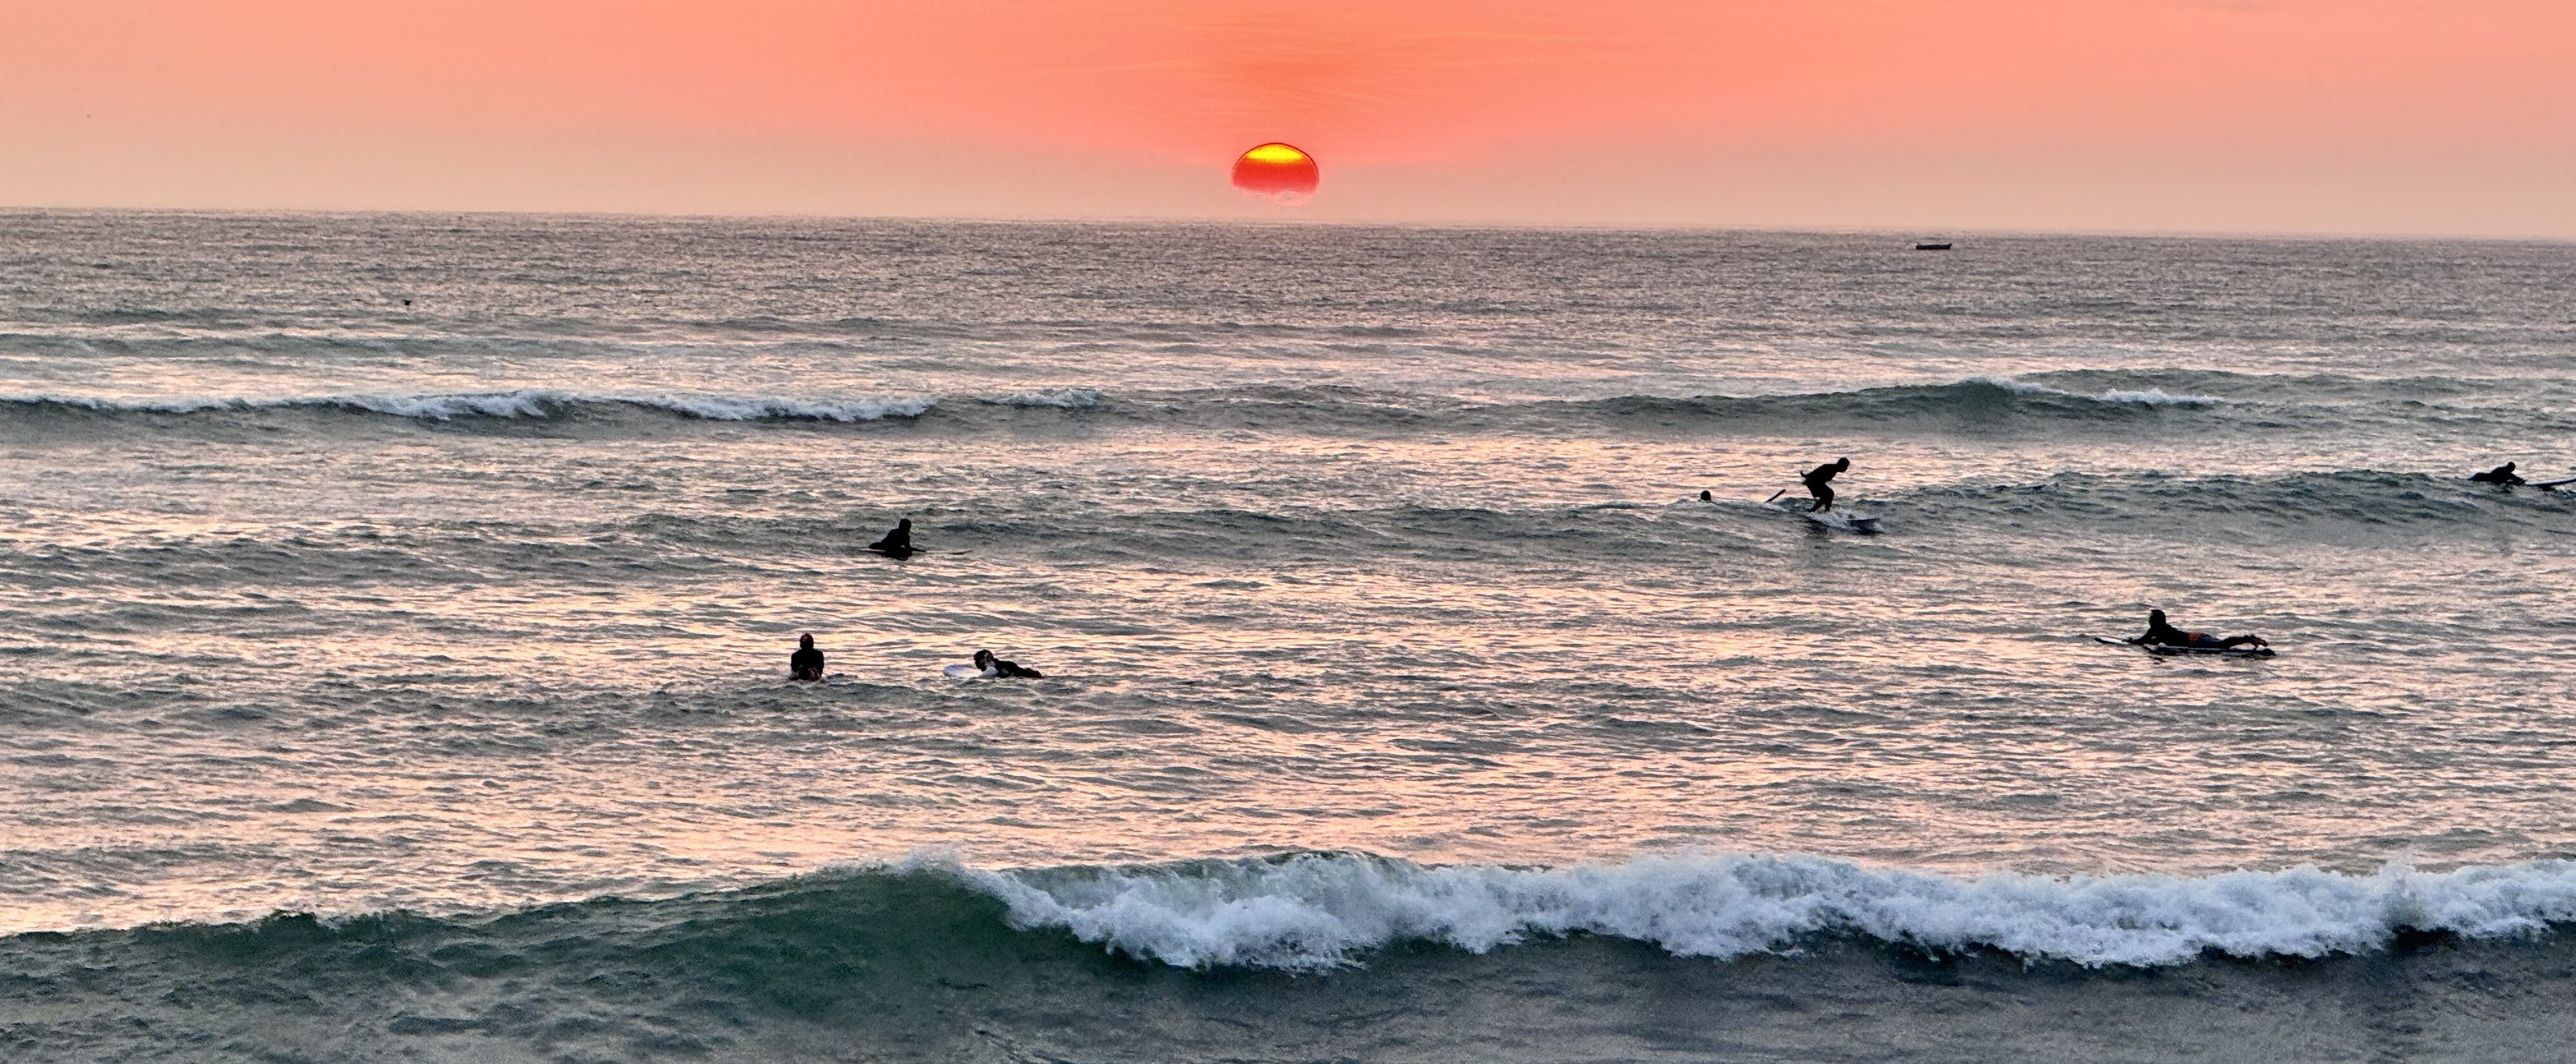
[[2230, 652], [965, 672], [1843, 520], [1838, 519]]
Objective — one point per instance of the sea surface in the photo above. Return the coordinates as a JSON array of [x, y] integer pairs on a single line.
[[395, 609]]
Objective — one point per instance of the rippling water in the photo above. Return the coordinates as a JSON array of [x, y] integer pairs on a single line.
[[450, 565]]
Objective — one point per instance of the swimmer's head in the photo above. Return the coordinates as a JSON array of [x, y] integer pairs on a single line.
[[806, 641], [983, 659]]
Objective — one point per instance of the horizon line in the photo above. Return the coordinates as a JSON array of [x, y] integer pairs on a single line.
[[1219, 221]]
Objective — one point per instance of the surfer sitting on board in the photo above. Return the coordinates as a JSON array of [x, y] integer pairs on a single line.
[[2160, 634], [2502, 475], [994, 666], [896, 544], [807, 663], [1816, 481]]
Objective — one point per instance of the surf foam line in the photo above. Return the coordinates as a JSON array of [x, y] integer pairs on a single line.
[[525, 403], [1976, 398], [2133, 396], [1316, 911]]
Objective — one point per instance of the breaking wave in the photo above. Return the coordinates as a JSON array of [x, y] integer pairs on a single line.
[[1230, 960], [1067, 398], [1318, 910], [525, 403], [1323, 911], [1976, 401], [2092, 402], [1975, 397]]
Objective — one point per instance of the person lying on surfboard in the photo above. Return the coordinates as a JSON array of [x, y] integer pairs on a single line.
[[896, 544], [994, 666], [1816, 481], [2160, 634], [2502, 475]]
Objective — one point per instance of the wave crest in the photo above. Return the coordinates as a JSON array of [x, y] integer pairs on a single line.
[[1314, 911], [524, 403], [1066, 398]]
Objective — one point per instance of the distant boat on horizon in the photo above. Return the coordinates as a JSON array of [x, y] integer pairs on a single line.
[[1926, 245]]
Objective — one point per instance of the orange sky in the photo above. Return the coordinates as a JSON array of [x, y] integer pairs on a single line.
[[2444, 116]]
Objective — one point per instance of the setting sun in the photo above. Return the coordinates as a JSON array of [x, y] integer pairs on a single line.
[[1278, 172]]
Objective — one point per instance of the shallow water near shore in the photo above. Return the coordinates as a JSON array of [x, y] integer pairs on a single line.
[[1395, 669]]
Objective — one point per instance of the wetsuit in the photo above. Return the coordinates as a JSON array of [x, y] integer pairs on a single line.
[[806, 663], [2502, 474], [1005, 669], [897, 543], [1816, 481], [2161, 634]]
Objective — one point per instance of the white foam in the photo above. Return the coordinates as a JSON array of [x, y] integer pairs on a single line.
[[110, 406], [2141, 396], [1313, 911], [529, 403], [2156, 397], [728, 408], [1068, 398], [525, 403], [2016, 387]]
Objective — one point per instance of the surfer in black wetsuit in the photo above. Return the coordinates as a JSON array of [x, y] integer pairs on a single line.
[[807, 663], [1818, 483], [2501, 476], [994, 666], [896, 544], [2160, 634]]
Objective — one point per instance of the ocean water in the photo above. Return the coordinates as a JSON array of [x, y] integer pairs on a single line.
[[394, 614]]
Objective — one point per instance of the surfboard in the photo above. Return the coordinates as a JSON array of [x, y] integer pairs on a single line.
[[2230, 652], [963, 672], [2554, 483], [1838, 520], [1843, 520]]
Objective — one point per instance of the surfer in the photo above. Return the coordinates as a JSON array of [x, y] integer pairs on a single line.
[[994, 666], [2502, 476], [896, 544], [2160, 634], [807, 663], [1817, 481]]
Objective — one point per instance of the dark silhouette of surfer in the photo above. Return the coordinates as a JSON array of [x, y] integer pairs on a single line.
[[1818, 481], [2161, 634], [896, 544], [2501, 476], [807, 663], [1706, 497], [994, 666]]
